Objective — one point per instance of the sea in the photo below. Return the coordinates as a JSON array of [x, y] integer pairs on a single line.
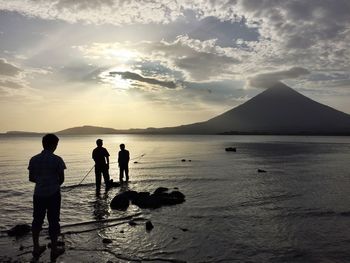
[[298, 210]]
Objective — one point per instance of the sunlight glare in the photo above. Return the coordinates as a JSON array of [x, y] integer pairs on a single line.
[[122, 54]]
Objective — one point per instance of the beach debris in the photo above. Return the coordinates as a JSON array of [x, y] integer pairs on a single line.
[[107, 241], [261, 171], [19, 230], [158, 198], [230, 149], [149, 225]]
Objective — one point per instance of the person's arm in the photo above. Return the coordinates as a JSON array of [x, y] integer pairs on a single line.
[[31, 176], [61, 168], [61, 177], [107, 158], [31, 172]]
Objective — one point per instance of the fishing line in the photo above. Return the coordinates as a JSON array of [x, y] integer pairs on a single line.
[[82, 180]]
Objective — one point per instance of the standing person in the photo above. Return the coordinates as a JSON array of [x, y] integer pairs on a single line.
[[123, 161], [101, 158], [46, 170]]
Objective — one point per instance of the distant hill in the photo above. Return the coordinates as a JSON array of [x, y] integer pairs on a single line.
[[88, 130], [277, 110]]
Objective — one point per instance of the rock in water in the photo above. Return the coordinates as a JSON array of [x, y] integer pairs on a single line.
[[19, 230], [160, 190], [230, 149], [261, 171], [159, 198], [107, 241], [149, 226], [120, 201]]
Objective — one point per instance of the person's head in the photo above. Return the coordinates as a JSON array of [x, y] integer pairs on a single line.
[[99, 142], [122, 146], [50, 142]]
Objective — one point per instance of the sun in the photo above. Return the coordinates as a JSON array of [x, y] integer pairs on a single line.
[[116, 80], [122, 54]]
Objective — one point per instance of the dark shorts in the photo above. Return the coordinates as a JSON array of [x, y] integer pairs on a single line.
[[50, 204]]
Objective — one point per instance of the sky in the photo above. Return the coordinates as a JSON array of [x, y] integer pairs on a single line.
[[137, 64]]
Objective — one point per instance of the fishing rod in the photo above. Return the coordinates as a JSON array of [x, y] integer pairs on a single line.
[[82, 180]]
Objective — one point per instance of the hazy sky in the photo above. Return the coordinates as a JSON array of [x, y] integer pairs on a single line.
[[137, 64]]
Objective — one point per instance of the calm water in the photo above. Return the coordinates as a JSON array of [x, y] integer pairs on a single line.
[[299, 211]]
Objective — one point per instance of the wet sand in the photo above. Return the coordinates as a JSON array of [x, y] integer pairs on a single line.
[[84, 242]]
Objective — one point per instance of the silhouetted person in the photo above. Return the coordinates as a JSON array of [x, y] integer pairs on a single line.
[[101, 158], [46, 170], [123, 161]]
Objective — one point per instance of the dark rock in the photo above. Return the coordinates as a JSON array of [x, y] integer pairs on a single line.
[[19, 230], [261, 171], [120, 201], [107, 241], [136, 162], [149, 226], [184, 229], [160, 190], [59, 244], [159, 198], [132, 223], [131, 195], [230, 149], [183, 160], [146, 201], [190, 160]]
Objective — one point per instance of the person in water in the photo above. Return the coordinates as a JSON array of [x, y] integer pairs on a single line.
[[46, 170], [101, 158], [123, 161]]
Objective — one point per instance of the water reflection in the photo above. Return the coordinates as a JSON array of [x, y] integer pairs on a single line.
[[101, 207]]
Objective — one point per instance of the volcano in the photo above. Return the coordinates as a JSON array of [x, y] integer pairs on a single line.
[[277, 110]]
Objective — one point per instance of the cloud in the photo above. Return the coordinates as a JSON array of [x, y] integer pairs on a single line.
[[196, 60], [10, 84], [137, 77], [8, 69], [266, 80]]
